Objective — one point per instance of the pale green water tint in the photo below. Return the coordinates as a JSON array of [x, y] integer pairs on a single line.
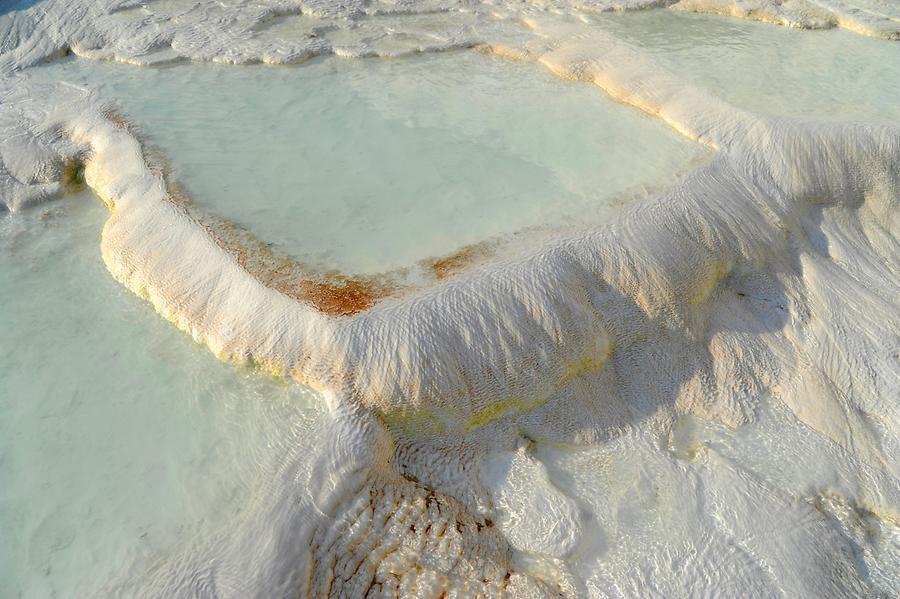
[[119, 436], [769, 68], [368, 165]]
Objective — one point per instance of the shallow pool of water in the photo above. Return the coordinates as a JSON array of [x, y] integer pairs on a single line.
[[119, 436], [370, 165], [768, 68]]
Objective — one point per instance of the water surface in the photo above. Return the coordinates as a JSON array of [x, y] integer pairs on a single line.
[[369, 165], [833, 74], [119, 436]]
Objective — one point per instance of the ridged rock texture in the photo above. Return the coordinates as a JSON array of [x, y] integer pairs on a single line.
[[759, 292]]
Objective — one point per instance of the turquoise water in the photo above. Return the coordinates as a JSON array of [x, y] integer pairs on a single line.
[[767, 68], [368, 165], [119, 436]]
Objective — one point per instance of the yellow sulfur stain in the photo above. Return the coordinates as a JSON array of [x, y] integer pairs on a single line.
[[500, 409], [422, 421], [414, 421], [713, 274], [589, 363]]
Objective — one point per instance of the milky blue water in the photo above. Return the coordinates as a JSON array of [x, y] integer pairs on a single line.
[[770, 69], [119, 436], [369, 165]]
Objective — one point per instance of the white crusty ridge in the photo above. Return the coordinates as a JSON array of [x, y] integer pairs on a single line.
[[772, 270], [291, 31]]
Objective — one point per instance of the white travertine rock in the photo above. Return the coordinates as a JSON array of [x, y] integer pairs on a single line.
[[771, 270], [534, 515], [866, 17]]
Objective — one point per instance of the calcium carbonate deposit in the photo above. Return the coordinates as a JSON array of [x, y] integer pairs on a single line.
[[447, 298]]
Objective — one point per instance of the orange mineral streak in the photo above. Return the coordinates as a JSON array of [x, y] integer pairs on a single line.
[[452, 264], [343, 297], [329, 292]]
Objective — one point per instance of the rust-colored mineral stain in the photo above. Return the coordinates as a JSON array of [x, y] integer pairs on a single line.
[[344, 297], [329, 293], [452, 264]]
